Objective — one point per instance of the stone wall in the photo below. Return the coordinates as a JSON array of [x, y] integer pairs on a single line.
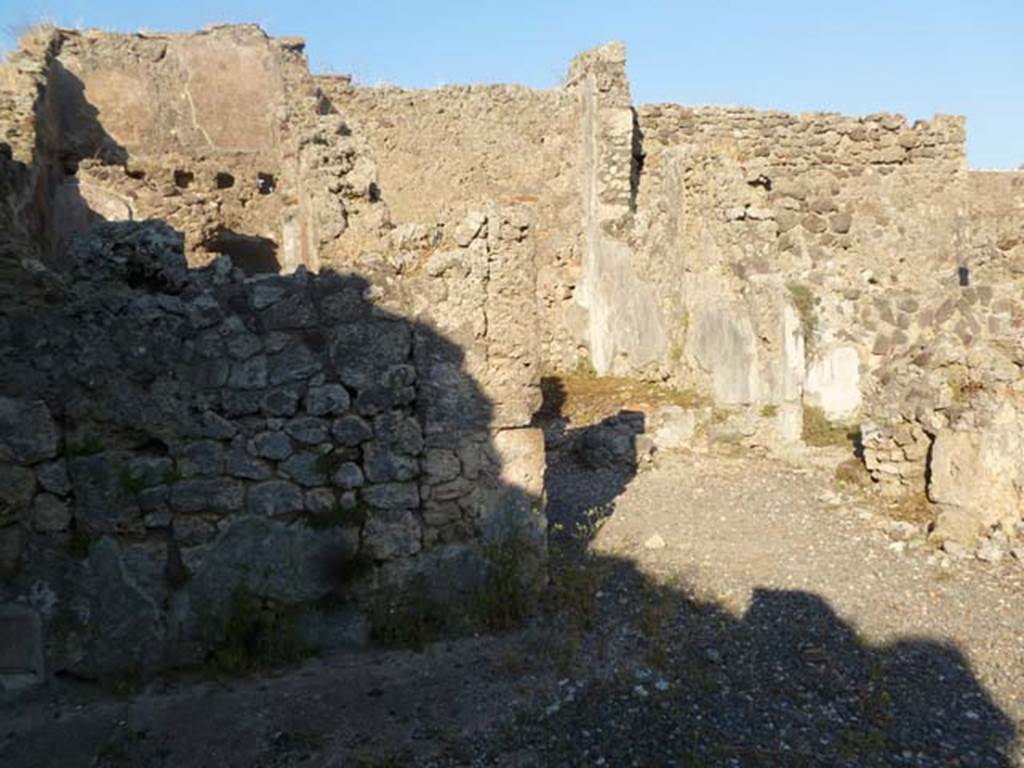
[[811, 140], [441, 152], [177, 429], [173, 437], [222, 134], [324, 347]]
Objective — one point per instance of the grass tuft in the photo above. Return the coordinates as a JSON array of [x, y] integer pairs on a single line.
[[806, 306], [820, 432]]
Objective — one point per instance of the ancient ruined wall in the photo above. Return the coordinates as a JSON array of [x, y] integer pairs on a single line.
[[171, 127], [870, 198], [223, 134], [840, 212], [808, 140], [996, 220], [171, 438], [625, 330], [441, 152], [905, 268], [27, 172], [177, 431], [945, 401], [175, 428]]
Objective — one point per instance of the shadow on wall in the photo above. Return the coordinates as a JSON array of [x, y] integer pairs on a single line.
[[79, 133], [71, 132], [587, 467], [282, 438], [252, 254]]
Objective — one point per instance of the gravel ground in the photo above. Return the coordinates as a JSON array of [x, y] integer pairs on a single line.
[[710, 610], [754, 614]]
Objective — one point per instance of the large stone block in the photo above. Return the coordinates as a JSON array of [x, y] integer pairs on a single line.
[[27, 431], [978, 475], [106, 498], [833, 383], [515, 506], [21, 647], [722, 340], [394, 535], [275, 497], [362, 352], [266, 558], [126, 627], [214, 494], [17, 485]]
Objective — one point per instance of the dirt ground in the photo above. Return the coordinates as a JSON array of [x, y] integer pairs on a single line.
[[707, 610]]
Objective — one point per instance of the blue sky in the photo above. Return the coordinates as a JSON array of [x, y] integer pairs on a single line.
[[916, 57]]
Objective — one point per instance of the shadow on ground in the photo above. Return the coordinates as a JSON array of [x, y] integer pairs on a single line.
[[659, 676]]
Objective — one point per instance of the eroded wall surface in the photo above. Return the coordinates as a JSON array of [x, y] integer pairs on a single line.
[[443, 151]]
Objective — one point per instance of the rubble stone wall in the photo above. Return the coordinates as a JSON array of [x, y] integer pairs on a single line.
[[440, 152], [171, 437], [223, 134]]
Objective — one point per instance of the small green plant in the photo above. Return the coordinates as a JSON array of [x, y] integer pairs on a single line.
[[172, 476], [573, 592], [720, 415], [962, 388], [506, 597], [806, 306], [870, 741], [585, 368], [564, 649], [132, 484], [90, 446], [820, 432], [78, 544], [769, 411], [409, 619], [339, 517], [655, 613], [257, 633], [853, 472]]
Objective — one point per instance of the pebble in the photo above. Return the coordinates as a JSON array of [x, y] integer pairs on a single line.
[[989, 552], [655, 542]]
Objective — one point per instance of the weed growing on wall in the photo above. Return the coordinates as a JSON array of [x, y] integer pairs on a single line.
[[806, 306]]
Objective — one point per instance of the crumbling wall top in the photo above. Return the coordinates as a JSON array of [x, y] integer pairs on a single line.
[[607, 65]]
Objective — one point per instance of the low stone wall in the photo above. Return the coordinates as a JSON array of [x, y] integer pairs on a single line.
[[811, 140]]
